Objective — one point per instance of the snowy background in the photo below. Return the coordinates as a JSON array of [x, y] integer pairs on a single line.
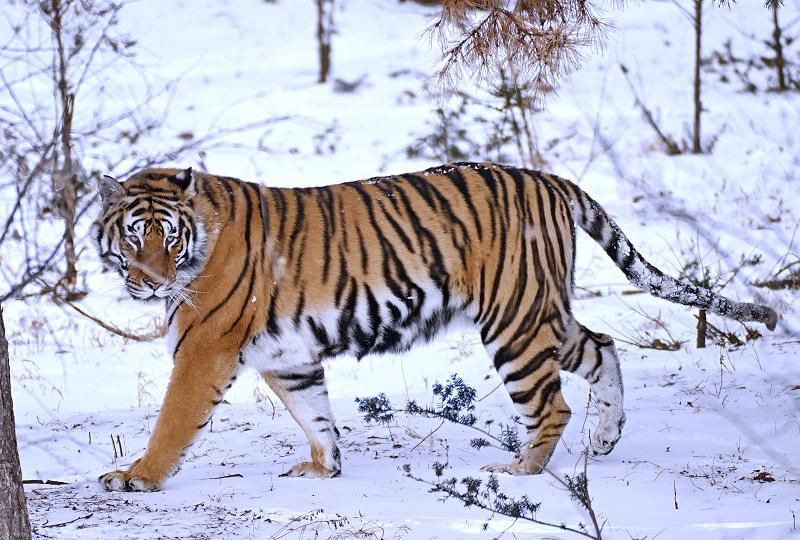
[[711, 448]]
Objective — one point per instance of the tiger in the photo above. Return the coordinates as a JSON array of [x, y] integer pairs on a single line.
[[281, 279]]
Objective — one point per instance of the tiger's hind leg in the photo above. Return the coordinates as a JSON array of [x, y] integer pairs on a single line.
[[594, 357], [531, 377], [304, 393]]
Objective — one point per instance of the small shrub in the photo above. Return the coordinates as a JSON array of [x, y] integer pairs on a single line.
[[498, 129], [455, 402]]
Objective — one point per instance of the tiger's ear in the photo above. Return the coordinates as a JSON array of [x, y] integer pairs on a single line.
[[110, 190], [185, 181]]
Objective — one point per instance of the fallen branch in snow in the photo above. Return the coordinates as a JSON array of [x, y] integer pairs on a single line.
[[64, 524], [45, 482], [236, 475]]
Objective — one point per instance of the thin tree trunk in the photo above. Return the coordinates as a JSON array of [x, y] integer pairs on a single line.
[[64, 177], [702, 327], [698, 106], [324, 35], [14, 523], [69, 196], [777, 46]]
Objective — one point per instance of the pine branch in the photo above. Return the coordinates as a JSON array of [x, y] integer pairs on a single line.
[[489, 497]]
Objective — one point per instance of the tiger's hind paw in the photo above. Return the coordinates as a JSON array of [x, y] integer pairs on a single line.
[[602, 446], [606, 437], [309, 469]]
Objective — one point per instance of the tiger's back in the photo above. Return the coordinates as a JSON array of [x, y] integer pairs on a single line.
[[284, 278], [372, 266]]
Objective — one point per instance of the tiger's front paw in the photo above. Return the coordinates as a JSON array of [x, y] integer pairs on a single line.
[[125, 481], [517, 467], [128, 481]]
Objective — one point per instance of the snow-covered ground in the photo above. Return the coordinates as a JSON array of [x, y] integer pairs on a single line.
[[711, 448]]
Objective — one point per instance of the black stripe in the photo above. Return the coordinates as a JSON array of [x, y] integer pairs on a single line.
[[248, 297], [398, 229], [180, 340], [325, 208], [373, 310], [503, 237], [263, 212], [299, 308], [277, 196], [246, 336], [451, 217], [320, 333], [248, 252], [530, 366], [228, 190], [457, 177], [596, 228], [341, 283], [629, 258], [547, 393], [413, 219], [401, 284], [421, 184], [211, 197], [481, 294], [317, 371], [363, 248], [299, 223], [487, 326], [306, 381], [524, 396], [558, 205], [347, 313]]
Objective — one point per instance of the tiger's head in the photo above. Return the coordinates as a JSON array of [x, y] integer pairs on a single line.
[[149, 233]]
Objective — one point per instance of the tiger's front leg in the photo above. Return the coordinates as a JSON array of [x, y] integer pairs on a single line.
[[303, 391], [198, 382]]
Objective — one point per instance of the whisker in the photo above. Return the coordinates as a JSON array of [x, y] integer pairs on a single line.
[[110, 284], [186, 296]]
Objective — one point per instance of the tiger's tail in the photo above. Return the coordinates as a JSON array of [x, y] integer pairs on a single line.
[[591, 217]]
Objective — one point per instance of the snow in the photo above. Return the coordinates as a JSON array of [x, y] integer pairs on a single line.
[[711, 448]]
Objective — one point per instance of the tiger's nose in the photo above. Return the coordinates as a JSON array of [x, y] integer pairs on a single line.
[[152, 283]]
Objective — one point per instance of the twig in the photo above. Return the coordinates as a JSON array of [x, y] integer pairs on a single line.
[[236, 475], [671, 147], [67, 522], [426, 436], [490, 393], [161, 331], [426, 413], [675, 493], [46, 482]]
